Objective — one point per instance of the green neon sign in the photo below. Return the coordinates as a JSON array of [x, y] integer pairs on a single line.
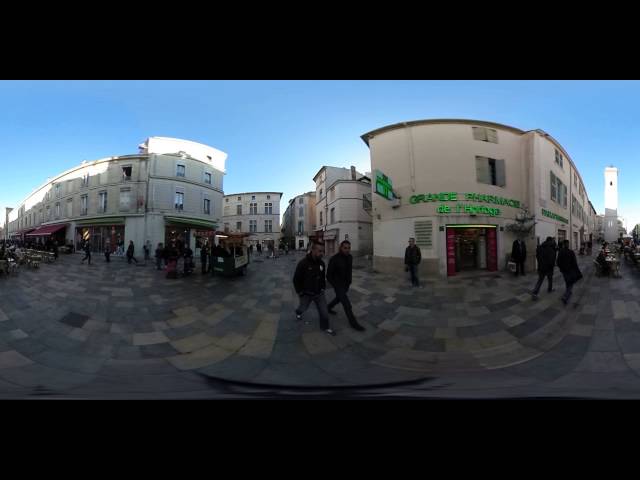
[[554, 216], [456, 197], [469, 210], [384, 188]]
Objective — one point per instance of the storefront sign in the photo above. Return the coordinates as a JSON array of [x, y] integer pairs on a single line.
[[469, 209], [554, 216], [456, 197], [384, 188]]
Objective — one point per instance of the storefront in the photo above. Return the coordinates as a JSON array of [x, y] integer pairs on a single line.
[[48, 234], [471, 248], [188, 231], [100, 231]]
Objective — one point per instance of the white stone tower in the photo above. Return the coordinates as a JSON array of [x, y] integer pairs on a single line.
[[611, 204]]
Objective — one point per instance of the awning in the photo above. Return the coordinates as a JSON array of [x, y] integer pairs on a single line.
[[330, 235], [190, 222], [100, 221], [19, 233], [46, 230]]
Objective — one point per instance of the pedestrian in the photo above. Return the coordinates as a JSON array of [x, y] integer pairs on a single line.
[[339, 275], [55, 249], [107, 251], [147, 251], [519, 255], [204, 252], [602, 261], [259, 248], [568, 265], [286, 249], [546, 256], [159, 256], [87, 252], [188, 260], [309, 283], [172, 261], [412, 258], [130, 251]]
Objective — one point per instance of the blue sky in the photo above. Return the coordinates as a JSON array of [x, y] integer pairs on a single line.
[[279, 133]]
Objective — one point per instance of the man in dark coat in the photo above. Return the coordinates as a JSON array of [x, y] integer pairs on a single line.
[[130, 252], [204, 253], [412, 258], [519, 255], [339, 275], [87, 252], [546, 256], [568, 265], [309, 283]]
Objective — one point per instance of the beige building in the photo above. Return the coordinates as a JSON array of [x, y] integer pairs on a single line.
[[299, 221], [170, 190], [342, 209], [465, 189], [255, 213]]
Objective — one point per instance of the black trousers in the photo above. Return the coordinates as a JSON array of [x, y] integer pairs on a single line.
[[541, 279], [341, 297], [520, 267], [129, 258], [106, 256], [87, 255], [203, 261]]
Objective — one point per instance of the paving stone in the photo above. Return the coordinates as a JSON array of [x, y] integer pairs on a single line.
[[149, 338]]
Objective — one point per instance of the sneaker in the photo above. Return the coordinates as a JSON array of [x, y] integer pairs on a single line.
[[333, 312], [331, 332]]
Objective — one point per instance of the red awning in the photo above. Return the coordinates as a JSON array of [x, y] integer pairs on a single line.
[[22, 232], [46, 230]]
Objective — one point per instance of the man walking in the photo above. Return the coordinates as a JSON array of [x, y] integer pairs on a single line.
[[309, 283], [519, 255], [130, 251], [107, 250], [339, 275], [87, 252], [159, 256], [546, 256], [568, 266], [204, 252], [412, 258]]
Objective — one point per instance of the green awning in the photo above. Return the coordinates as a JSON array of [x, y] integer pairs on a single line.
[[192, 222], [101, 221]]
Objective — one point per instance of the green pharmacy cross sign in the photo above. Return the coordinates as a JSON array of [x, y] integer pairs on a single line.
[[384, 188]]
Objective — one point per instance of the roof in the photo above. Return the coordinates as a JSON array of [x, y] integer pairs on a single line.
[[248, 193]]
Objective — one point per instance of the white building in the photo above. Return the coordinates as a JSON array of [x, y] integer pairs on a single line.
[[256, 213], [170, 190], [342, 209], [460, 187], [611, 229], [299, 221]]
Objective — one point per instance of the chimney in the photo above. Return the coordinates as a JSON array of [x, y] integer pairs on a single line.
[[353, 172]]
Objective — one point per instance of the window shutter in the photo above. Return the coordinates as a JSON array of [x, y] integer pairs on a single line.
[[552, 188], [479, 133], [500, 173], [492, 135], [482, 170]]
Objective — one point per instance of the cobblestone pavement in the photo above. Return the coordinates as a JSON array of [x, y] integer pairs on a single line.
[[117, 330]]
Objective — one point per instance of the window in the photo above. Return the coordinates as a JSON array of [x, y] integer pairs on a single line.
[[69, 208], [332, 194], [226, 227], [85, 180], [300, 227], [239, 226], [207, 206], [559, 159], [253, 197], [226, 200], [268, 197], [239, 199], [333, 215], [180, 170], [554, 187], [268, 208], [207, 178], [268, 226], [575, 179], [301, 212], [102, 205], [58, 191], [83, 204], [320, 193], [321, 223], [253, 226], [57, 210], [253, 208], [125, 199], [490, 171], [558, 191], [179, 202], [301, 200], [485, 134], [238, 209], [126, 173]]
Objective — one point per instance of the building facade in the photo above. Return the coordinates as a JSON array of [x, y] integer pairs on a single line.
[[342, 213], [299, 221], [255, 213], [465, 190], [611, 229], [170, 190]]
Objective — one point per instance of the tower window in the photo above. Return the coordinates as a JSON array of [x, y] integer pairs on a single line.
[[611, 184]]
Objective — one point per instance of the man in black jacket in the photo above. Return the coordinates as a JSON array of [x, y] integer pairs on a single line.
[[412, 257], [568, 265], [546, 256], [309, 282], [519, 255], [339, 275]]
